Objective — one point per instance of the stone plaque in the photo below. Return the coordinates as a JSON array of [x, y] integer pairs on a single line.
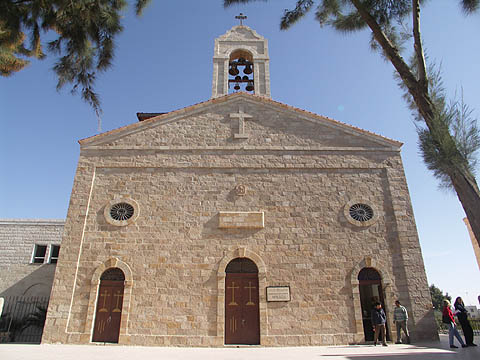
[[241, 220], [278, 293]]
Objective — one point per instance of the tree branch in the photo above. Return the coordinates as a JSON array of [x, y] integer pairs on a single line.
[[390, 50], [21, 2], [418, 47], [421, 98]]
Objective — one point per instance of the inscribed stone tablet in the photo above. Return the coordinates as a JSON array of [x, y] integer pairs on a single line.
[[240, 220], [278, 293]]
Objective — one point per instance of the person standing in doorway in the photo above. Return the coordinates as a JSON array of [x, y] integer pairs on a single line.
[[462, 316], [378, 322], [447, 318], [400, 318]]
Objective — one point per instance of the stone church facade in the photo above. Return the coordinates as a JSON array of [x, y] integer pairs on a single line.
[[239, 220]]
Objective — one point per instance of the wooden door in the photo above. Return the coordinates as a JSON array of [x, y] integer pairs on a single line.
[[242, 318], [109, 312]]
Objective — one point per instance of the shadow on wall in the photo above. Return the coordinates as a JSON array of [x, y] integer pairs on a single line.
[[37, 283], [426, 328]]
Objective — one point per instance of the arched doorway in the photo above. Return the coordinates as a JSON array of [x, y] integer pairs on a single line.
[[109, 306], [242, 317], [371, 291]]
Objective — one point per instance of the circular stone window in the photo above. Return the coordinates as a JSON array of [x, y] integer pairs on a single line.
[[121, 212], [360, 214]]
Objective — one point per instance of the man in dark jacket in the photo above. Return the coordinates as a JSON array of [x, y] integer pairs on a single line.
[[378, 321]]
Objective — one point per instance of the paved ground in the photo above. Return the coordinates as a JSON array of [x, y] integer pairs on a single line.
[[433, 351]]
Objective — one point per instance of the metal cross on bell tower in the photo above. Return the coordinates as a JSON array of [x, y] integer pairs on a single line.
[[241, 17]]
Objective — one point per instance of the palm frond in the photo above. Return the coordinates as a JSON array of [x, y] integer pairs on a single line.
[[290, 17], [470, 6], [140, 5]]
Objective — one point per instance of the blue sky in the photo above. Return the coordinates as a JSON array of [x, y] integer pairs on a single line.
[[164, 62]]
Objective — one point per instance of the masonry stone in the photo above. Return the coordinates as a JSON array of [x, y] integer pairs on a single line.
[[280, 196], [20, 276]]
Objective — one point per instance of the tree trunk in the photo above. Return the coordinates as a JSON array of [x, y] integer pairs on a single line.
[[469, 196], [418, 47], [462, 180], [390, 50]]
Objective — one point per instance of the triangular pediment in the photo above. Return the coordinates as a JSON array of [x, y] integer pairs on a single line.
[[240, 33], [217, 123]]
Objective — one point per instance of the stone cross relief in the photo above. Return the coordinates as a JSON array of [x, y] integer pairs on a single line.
[[241, 116]]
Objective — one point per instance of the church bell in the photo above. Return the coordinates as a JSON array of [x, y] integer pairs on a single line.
[[248, 69], [233, 70], [236, 79]]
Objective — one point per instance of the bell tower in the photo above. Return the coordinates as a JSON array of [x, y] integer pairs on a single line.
[[241, 62]]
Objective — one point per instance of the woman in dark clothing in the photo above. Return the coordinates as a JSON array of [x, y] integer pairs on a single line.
[[462, 315]]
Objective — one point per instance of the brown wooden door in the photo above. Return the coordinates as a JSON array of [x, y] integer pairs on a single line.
[[242, 319], [109, 312]]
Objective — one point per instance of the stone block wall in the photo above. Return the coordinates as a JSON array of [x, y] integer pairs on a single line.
[[300, 177], [19, 275]]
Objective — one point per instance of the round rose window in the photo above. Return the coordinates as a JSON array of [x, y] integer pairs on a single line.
[[361, 212], [121, 211]]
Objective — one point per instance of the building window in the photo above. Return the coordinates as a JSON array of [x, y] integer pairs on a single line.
[[121, 212], [39, 253], [360, 213], [54, 251]]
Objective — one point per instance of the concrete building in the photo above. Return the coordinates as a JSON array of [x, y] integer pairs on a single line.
[[473, 312], [239, 220], [29, 251]]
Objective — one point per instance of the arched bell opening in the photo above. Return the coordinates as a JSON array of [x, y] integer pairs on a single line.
[[109, 306], [371, 292], [242, 316], [240, 71]]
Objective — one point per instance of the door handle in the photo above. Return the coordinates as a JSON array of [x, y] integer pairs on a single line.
[[109, 319], [243, 322]]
